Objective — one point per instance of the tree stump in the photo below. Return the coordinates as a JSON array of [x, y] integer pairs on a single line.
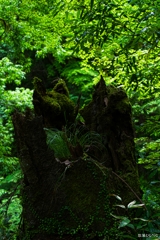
[[70, 198]]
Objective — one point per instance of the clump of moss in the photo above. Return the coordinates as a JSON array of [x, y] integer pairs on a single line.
[[55, 106], [61, 87]]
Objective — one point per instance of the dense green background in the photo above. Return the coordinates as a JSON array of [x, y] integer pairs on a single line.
[[78, 42]]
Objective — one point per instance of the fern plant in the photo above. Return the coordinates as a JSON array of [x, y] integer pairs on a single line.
[[73, 142], [56, 141]]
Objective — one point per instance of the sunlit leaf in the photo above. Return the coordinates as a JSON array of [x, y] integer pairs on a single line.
[[122, 206], [137, 205], [131, 204]]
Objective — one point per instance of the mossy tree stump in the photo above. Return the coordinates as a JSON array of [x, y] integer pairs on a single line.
[[72, 201], [109, 114]]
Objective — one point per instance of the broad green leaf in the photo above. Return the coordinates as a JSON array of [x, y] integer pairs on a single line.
[[124, 223], [131, 226]]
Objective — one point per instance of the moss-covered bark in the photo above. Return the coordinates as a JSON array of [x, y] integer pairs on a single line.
[[54, 105], [72, 201]]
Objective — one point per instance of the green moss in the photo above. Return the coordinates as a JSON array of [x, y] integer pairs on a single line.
[[38, 86], [61, 88], [60, 102], [55, 106]]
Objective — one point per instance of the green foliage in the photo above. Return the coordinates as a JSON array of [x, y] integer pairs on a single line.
[[120, 39], [22, 30], [140, 222], [149, 153], [82, 76], [57, 142], [10, 205], [10, 100], [146, 110], [146, 120]]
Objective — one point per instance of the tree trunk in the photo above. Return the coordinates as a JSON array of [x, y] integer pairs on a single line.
[[71, 198]]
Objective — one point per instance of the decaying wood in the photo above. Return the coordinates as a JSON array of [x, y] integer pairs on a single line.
[[65, 194]]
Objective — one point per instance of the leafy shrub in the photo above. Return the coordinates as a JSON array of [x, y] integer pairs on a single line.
[[140, 224], [10, 100]]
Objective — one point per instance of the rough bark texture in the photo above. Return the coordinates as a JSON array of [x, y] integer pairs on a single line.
[[73, 202]]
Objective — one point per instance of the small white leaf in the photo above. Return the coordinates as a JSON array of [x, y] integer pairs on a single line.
[[131, 204], [122, 206], [137, 205], [114, 195], [144, 220]]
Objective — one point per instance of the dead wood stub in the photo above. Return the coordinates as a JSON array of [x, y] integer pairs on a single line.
[[58, 197]]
